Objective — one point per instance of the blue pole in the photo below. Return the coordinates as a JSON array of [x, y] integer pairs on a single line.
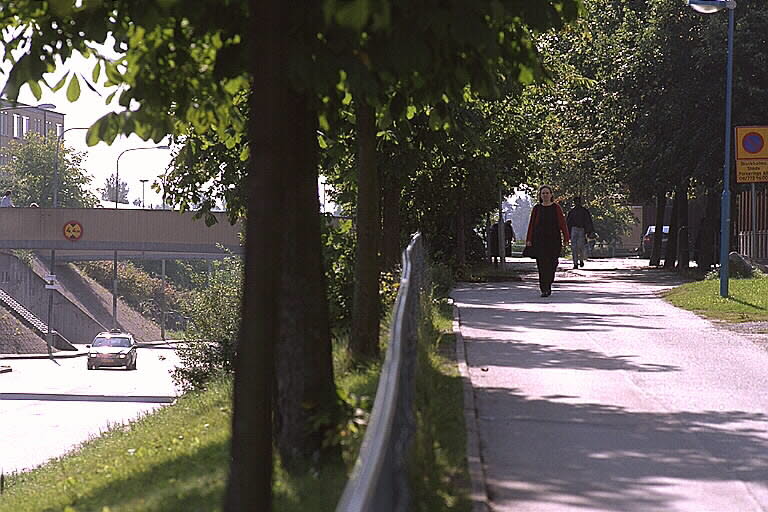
[[725, 206]]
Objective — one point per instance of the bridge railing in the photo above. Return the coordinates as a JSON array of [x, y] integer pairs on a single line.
[[380, 479]]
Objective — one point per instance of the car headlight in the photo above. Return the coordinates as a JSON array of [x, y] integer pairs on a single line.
[[121, 355]]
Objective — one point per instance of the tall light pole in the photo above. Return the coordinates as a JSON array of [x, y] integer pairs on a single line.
[[143, 182], [117, 197], [707, 7], [52, 281]]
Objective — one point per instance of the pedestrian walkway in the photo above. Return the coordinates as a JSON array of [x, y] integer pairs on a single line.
[[605, 397]]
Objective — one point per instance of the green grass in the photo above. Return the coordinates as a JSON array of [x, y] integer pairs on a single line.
[[485, 272], [439, 464], [174, 459], [747, 299], [177, 458]]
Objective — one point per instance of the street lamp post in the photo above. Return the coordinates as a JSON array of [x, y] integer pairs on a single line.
[[143, 182], [59, 142], [707, 7], [117, 197]]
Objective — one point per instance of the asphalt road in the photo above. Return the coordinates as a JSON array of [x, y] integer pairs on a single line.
[[48, 407], [605, 397]]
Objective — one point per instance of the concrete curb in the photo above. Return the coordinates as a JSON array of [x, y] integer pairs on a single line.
[[57, 355], [478, 490]]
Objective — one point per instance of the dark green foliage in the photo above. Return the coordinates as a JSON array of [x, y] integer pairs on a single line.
[[137, 288], [214, 313], [181, 274]]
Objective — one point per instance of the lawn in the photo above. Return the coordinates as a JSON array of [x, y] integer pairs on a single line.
[[747, 300]]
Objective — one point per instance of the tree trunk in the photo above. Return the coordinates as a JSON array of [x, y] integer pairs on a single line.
[[461, 229], [306, 409], [661, 206], [391, 220], [670, 258], [684, 256], [250, 477], [364, 338], [488, 237]]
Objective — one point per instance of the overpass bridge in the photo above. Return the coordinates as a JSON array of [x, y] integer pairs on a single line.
[[95, 233]]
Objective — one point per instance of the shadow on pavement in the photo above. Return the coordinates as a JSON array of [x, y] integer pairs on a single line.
[[602, 457], [518, 354]]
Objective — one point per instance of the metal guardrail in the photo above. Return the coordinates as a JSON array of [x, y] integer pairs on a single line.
[[379, 481]]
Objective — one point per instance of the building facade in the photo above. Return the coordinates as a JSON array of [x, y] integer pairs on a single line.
[[18, 119]]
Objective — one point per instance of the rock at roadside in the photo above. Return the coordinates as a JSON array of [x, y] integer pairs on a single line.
[[739, 266]]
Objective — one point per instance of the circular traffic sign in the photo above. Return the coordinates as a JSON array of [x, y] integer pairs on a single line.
[[753, 142], [73, 231]]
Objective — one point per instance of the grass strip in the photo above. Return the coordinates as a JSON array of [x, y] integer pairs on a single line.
[[747, 300]]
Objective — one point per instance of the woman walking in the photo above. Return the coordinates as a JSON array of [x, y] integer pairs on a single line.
[[543, 241]]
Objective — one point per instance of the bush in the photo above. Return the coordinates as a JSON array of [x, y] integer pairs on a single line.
[[214, 313], [441, 277], [138, 289]]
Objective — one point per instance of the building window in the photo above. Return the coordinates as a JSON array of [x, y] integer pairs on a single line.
[[16, 125], [5, 277]]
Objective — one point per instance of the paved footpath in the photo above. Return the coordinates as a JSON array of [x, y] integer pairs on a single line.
[[605, 397]]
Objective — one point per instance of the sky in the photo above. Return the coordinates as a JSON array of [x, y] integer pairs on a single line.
[[101, 159]]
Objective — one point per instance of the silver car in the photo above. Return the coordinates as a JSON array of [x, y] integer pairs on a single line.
[[113, 348]]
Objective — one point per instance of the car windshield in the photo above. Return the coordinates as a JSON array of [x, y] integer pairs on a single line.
[[112, 342]]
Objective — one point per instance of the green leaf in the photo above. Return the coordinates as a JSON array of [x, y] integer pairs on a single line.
[[354, 15], [35, 88], [96, 72], [323, 122], [73, 90], [60, 83]]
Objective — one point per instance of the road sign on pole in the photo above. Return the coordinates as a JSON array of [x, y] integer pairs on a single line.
[[751, 154]]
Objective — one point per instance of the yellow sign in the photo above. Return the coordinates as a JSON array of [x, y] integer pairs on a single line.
[[751, 171], [73, 230]]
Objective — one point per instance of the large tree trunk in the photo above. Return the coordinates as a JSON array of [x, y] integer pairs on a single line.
[[306, 409], [364, 338], [391, 220], [685, 241], [661, 206], [250, 477], [461, 229], [671, 255]]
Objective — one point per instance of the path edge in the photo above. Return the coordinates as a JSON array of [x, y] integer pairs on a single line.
[[478, 490]]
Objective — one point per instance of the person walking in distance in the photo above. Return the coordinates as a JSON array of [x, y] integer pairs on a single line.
[[543, 240], [580, 225], [509, 237], [6, 201]]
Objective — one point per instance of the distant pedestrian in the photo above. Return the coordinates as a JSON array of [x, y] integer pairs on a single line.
[[591, 241], [543, 240], [580, 225], [6, 201], [493, 243], [509, 237]]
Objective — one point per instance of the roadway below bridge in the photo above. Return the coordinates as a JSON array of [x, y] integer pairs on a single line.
[[48, 407]]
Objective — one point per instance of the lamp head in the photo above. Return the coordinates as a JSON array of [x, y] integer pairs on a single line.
[[710, 6]]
